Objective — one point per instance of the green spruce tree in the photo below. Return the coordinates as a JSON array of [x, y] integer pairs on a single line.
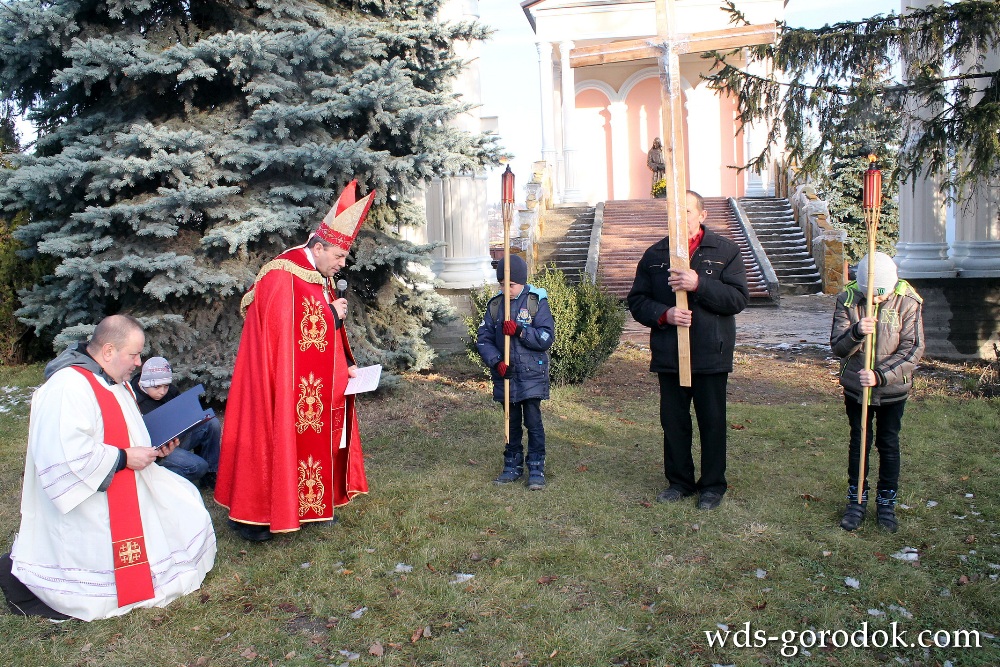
[[184, 143], [876, 132]]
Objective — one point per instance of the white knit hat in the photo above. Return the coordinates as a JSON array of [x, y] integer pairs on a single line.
[[155, 371], [885, 274]]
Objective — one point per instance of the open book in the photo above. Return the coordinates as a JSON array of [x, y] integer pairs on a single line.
[[176, 417]]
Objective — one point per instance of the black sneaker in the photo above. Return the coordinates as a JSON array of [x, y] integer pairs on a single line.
[[251, 532], [709, 500], [671, 495], [854, 514], [207, 481], [886, 515], [536, 478]]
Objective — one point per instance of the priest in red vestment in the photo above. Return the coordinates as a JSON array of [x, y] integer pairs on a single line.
[[291, 452]]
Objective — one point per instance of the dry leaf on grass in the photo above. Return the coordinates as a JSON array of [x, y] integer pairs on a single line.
[[249, 653], [737, 427], [376, 650], [547, 579]]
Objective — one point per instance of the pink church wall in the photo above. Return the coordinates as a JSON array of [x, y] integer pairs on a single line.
[[597, 168], [643, 103], [645, 95], [733, 182]]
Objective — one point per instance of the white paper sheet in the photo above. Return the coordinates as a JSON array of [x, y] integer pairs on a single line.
[[366, 380]]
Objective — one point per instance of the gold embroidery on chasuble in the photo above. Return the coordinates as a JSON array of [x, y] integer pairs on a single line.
[[309, 407], [311, 488], [313, 325]]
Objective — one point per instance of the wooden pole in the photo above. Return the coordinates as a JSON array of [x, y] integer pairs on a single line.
[[872, 205], [676, 173], [507, 202]]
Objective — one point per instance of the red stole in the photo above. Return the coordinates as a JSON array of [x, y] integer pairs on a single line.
[[133, 578]]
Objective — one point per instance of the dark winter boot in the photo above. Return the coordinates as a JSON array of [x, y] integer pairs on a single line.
[[855, 512], [885, 506], [513, 468], [536, 475]]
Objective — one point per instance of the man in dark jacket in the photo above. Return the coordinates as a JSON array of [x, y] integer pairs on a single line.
[[717, 290], [531, 334]]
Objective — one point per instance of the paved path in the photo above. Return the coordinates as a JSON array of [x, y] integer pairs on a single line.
[[798, 320]]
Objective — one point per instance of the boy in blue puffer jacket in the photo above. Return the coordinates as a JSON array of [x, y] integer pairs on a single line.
[[532, 331]]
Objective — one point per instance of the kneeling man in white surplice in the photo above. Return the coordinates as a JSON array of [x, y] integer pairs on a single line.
[[103, 530]]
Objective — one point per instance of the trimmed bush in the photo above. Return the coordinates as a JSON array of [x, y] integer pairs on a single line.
[[589, 324]]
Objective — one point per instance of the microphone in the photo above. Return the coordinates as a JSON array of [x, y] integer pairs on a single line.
[[341, 288]]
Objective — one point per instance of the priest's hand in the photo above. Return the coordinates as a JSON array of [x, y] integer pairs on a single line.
[[340, 305], [139, 458], [167, 448], [352, 371]]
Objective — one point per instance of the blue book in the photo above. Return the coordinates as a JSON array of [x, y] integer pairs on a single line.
[[176, 417]]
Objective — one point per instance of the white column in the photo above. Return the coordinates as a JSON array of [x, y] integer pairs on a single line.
[[976, 250], [456, 204], [572, 191], [456, 216], [619, 150], [547, 88], [593, 129], [704, 117], [922, 249]]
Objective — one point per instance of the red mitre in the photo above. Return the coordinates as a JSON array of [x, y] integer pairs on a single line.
[[342, 223]]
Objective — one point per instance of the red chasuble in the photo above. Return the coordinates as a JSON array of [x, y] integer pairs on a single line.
[[282, 463], [133, 579]]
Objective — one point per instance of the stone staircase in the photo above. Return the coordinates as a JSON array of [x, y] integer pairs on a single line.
[[784, 243], [631, 226], [565, 240]]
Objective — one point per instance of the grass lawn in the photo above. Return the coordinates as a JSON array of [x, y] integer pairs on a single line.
[[438, 566]]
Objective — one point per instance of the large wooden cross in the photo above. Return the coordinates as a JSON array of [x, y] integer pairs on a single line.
[[667, 47]]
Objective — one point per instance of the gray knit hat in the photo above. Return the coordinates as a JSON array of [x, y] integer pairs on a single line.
[[885, 274], [155, 371]]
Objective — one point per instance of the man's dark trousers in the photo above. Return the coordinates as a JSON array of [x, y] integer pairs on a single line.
[[708, 392]]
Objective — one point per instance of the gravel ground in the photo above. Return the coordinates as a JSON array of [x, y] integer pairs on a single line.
[[799, 320]]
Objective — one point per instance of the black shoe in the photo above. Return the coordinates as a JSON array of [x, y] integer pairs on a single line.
[[251, 532], [887, 517], [513, 468], [709, 500], [854, 514], [536, 475], [671, 495], [207, 481]]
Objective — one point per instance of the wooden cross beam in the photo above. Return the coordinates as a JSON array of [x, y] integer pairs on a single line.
[[667, 47]]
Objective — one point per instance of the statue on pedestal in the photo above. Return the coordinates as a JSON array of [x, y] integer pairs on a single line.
[[654, 160]]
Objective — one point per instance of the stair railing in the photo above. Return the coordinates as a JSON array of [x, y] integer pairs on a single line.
[[770, 276]]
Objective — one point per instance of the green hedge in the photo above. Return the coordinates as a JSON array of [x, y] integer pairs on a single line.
[[589, 324]]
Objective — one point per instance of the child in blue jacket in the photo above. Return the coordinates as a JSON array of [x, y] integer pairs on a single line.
[[531, 331]]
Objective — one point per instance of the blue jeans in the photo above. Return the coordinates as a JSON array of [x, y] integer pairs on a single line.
[[185, 462], [528, 412]]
